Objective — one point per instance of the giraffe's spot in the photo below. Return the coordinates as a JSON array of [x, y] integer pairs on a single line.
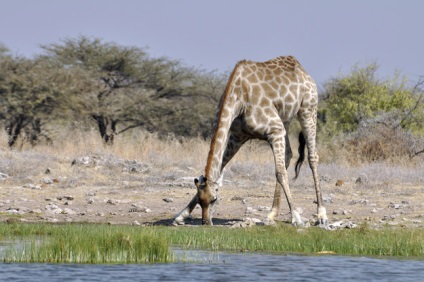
[[283, 90], [265, 102], [267, 88], [252, 78], [278, 71], [285, 80], [294, 88], [255, 97], [260, 117], [274, 85], [269, 75], [273, 66], [261, 74], [268, 112], [289, 99], [246, 72], [225, 113], [256, 90]]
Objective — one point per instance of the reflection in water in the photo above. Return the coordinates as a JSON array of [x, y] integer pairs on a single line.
[[226, 267]]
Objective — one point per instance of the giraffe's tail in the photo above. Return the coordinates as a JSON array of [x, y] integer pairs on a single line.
[[301, 151]]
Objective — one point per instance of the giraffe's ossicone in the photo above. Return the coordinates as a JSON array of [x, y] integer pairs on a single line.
[[259, 101]]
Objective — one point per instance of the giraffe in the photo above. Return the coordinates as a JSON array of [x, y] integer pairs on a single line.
[[259, 101]]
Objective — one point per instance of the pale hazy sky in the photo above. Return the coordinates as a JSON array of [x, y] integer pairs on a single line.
[[327, 36]]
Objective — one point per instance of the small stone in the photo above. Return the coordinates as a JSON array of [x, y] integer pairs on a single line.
[[395, 206], [327, 199], [90, 201], [100, 214], [362, 179], [3, 176], [112, 202], [12, 211], [325, 178], [168, 200], [68, 211], [52, 206], [35, 211], [56, 211], [47, 180], [255, 220], [136, 223]]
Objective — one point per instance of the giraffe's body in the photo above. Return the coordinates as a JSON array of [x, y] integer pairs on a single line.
[[259, 102]]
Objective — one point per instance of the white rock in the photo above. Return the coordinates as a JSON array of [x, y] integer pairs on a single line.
[[68, 211], [136, 223]]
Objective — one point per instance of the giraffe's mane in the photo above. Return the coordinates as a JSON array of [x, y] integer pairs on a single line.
[[218, 121]]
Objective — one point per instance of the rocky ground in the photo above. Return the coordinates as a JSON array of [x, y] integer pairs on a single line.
[[142, 194]]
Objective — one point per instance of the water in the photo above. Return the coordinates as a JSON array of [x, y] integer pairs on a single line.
[[227, 267]]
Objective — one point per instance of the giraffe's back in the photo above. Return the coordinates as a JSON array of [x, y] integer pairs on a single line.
[[280, 84]]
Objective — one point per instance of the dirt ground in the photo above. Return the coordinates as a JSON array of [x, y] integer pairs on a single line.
[[147, 198]]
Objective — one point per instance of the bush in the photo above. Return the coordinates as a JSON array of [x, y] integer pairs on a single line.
[[377, 140]]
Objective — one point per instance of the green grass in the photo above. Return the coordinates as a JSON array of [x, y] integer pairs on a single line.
[[72, 243], [407, 243], [84, 244]]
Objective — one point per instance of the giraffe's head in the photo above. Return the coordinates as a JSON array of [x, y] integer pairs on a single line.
[[208, 197]]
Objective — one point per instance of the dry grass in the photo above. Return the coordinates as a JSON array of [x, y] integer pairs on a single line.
[[171, 156]]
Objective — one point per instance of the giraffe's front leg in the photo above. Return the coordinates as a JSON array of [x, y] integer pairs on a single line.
[[179, 218]]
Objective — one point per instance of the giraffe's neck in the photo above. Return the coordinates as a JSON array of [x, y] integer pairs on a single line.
[[228, 111]]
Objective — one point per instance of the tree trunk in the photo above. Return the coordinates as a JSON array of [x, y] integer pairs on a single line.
[[14, 129], [106, 134]]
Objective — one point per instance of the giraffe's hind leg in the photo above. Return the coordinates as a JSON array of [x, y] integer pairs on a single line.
[[308, 122], [277, 142]]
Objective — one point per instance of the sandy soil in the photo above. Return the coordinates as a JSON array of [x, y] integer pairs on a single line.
[[148, 198]]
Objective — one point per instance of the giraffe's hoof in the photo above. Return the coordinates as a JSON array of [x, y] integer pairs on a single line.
[[298, 223], [296, 219], [178, 221], [322, 222]]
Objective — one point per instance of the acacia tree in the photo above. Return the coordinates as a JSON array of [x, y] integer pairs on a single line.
[[30, 90], [129, 88]]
